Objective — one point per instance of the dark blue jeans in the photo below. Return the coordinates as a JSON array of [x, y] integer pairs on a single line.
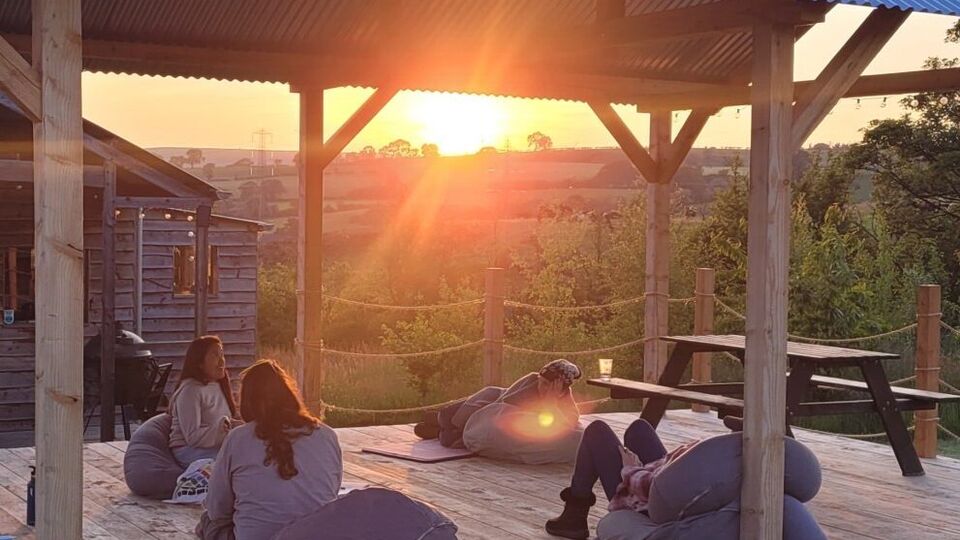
[[599, 455]]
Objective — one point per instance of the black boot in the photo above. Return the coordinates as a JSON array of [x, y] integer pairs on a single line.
[[572, 523], [733, 423]]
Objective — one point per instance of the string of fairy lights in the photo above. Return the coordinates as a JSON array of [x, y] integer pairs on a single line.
[[167, 215], [861, 103]]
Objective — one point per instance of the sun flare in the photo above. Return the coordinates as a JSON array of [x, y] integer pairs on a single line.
[[458, 124]]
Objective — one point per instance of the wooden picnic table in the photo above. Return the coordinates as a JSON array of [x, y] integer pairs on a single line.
[[803, 360]]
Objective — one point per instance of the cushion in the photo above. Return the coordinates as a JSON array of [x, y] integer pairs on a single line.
[[707, 477], [149, 467], [372, 514], [722, 524]]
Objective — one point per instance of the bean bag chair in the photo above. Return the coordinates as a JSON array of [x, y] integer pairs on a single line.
[[149, 467], [372, 514], [510, 433], [698, 496]]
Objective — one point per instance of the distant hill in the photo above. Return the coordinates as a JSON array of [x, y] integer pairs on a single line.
[[226, 156]]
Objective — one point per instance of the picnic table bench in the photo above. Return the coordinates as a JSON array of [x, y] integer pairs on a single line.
[[885, 400]]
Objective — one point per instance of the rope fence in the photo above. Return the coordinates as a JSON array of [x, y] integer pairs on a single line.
[[618, 303], [426, 307], [853, 435], [524, 350], [835, 341], [425, 408], [436, 352], [944, 429], [951, 329]]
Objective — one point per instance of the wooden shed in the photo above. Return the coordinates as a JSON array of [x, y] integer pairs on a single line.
[[154, 254]]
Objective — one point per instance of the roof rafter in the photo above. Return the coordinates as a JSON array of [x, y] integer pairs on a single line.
[[628, 142], [815, 101], [19, 80]]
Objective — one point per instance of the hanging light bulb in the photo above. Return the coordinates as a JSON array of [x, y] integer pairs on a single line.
[[143, 215], [914, 103], [858, 104], [190, 234], [883, 104], [168, 215], [738, 113], [944, 100], [189, 218], [116, 213]]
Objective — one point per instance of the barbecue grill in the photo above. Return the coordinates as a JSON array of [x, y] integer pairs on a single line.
[[138, 378]]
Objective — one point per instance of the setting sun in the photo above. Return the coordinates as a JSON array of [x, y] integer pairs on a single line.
[[456, 123]]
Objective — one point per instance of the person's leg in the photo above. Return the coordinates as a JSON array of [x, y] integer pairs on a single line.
[[474, 403], [643, 441], [186, 455], [446, 414], [597, 458]]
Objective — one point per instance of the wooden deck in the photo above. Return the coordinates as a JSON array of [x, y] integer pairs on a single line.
[[864, 495]]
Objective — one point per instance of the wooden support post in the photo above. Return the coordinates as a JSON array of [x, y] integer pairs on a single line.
[[108, 323], [927, 366], [58, 243], [493, 317], [657, 252], [310, 253], [768, 246], [201, 270], [703, 325], [12, 285]]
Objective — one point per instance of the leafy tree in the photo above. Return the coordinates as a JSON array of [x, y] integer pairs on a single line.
[[272, 189], [915, 160], [277, 304], [194, 157], [398, 149], [539, 142], [208, 171], [368, 152], [429, 150]]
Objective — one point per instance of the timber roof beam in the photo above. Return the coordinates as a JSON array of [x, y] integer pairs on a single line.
[[19, 80]]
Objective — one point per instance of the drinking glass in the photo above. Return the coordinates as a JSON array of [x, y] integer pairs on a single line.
[[606, 368]]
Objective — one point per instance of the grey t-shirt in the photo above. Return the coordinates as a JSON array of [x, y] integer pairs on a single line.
[[256, 498]]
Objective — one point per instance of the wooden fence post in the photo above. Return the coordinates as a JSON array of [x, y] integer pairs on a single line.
[[108, 300], [927, 366], [703, 325], [493, 328]]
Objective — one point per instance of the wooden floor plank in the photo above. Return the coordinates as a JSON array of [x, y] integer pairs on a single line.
[[863, 493]]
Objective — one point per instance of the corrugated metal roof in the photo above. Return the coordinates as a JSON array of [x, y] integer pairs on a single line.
[[942, 7], [489, 36]]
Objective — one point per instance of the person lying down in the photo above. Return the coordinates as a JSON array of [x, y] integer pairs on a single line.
[[534, 421]]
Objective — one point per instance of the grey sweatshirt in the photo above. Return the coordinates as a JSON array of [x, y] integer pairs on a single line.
[[256, 498]]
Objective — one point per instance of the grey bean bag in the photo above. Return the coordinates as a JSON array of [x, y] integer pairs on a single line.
[[149, 467], [372, 514], [698, 496]]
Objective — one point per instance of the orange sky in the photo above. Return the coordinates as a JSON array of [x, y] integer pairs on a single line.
[[153, 111]]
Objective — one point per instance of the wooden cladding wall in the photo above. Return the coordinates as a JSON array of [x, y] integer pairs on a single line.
[[167, 318]]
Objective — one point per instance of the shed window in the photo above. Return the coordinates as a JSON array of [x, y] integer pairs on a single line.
[[184, 270], [17, 274]]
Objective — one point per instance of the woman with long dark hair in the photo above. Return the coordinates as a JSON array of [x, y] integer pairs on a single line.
[[202, 406], [282, 464]]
